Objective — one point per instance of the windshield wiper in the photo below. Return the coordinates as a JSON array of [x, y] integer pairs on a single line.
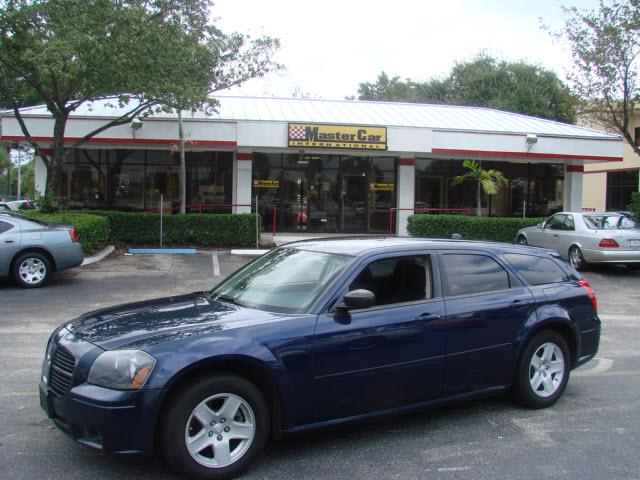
[[229, 299]]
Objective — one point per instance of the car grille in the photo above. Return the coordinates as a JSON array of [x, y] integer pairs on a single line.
[[61, 373]]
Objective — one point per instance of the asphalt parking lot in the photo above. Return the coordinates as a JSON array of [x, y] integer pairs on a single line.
[[593, 432]]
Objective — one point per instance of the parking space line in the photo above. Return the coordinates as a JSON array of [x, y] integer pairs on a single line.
[[215, 263]]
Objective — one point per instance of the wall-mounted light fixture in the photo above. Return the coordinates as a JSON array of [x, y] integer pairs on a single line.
[[531, 141]]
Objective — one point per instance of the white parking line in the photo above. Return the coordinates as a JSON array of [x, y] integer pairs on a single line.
[[215, 263]]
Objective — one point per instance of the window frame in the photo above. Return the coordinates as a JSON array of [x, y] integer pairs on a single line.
[[514, 281]]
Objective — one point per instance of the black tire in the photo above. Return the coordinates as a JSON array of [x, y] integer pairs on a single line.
[[522, 240], [523, 390], [633, 266], [174, 426], [41, 270], [576, 259]]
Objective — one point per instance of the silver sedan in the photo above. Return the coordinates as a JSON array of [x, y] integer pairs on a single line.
[[30, 250], [585, 238]]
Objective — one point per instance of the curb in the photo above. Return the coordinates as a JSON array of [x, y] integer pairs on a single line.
[[248, 252], [102, 254]]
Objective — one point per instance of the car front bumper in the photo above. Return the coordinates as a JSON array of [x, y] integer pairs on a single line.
[[113, 421], [611, 256]]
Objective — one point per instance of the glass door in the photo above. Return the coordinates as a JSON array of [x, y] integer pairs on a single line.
[[354, 209], [295, 200]]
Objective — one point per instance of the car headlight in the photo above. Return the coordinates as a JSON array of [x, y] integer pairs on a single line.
[[46, 363], [121, 369]]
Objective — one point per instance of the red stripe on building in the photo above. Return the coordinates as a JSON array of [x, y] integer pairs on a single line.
[[243, 156], [409, 162], [613, 170], [128, 141], [557, 156], [575, 168]]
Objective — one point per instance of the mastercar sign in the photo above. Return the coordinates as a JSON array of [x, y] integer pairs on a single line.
[[337, 136]]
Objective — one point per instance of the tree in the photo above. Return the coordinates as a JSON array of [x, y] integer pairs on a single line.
[[147, 55], [489, 181], [484, 82], [605, 44]]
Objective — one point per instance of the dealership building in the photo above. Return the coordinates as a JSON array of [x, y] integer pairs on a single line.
[[321, 165]]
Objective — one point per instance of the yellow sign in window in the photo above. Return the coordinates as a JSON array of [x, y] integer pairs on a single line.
[[382, 186], [337, 136], [266, 183]]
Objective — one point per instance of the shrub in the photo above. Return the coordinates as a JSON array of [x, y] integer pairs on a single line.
[[92, 230], [634, 206], [498, 229], [207, 230]]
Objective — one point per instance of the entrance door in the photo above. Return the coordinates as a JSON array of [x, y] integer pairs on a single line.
[[354, 214], [295, 200]]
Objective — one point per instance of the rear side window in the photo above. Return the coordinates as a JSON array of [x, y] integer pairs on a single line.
[[468, 273], [537, 270], [5, 227]]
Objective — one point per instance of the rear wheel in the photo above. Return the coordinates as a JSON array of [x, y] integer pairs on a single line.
[[215, 428], [543, 370], [522, 240], [576, 259], [31, 270]]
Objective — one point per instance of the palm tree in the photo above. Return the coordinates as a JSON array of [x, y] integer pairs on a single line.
[[489, 181]]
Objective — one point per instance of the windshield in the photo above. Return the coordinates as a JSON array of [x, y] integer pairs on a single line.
[[286, 280], [609, 222]]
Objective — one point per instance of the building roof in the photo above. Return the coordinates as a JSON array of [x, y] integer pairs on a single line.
[[390, 114]]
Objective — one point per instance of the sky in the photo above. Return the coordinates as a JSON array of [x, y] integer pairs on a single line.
[[329, 46]]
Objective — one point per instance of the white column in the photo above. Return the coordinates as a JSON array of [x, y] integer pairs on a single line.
[[572, 201], [405, 192], [242, 182], [40, 175]]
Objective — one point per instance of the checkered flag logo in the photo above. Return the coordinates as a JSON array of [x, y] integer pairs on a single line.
[[296, 132]]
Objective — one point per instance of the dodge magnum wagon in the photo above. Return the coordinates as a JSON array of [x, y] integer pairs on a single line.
[[315, 334]]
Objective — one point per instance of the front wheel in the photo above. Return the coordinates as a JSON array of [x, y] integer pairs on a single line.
[[215, 428], [543, 370], [576, 259], [522, 240], [31, 270]]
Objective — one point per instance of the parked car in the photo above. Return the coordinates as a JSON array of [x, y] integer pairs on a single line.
[[316, 334], [17, 205], [585, 238], [30, 249]]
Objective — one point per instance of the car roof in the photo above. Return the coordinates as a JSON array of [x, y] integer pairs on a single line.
[[356, 246]]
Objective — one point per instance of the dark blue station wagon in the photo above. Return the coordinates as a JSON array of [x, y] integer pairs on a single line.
[[315, 334]]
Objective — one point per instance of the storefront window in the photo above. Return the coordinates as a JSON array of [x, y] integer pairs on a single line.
[[620, 186], [534, 189]]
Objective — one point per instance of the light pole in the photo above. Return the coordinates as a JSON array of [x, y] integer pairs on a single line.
[[19, 172]]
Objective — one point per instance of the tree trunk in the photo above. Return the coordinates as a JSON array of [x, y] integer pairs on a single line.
[[183, 166], [479, 200], [54, 169]]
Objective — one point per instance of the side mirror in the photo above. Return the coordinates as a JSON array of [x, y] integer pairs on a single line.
[[357, 299], [540, 225]]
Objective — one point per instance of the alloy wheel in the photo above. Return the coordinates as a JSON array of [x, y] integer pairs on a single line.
[[32, 271], [546, 369], [220, 430]]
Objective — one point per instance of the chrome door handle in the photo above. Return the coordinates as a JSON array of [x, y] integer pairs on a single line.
[[427, 317]]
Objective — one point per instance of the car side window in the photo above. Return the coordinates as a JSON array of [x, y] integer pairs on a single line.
[[555, 223], [465, 274], [396, 280], [5, 227], [537, 270], [568, 223]]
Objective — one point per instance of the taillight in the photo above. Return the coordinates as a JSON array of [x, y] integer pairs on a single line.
[[592, 294], [74, 235], [608, 243]]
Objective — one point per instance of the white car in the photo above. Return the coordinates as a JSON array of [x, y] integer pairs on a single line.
[[16, 206], [584, 238]]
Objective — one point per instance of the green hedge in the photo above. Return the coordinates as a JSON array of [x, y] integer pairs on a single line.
[[498, 229], [92, 230], [206, 230], [634, 206]]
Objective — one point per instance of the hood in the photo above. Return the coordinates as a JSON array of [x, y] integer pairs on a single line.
[[139, 324]]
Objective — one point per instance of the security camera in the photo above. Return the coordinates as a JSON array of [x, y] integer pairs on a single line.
[[532, 139], [136, 124]]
